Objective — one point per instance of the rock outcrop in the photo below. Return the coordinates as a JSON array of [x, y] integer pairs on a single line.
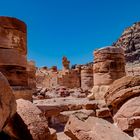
[[7, 102], [122, 90], [130, 41]]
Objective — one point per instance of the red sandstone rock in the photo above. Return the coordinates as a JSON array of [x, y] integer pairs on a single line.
[[30, 120], [128, 116], [137, 133], [31, 69], [7, 100], [123, 89], [63, 117], [103, 113], [65, 63], [79, 128], [86, 77], [13, 34], [13, 51], [130, 42], [53, 135], [98, 92], [109, 65], [16, 76]]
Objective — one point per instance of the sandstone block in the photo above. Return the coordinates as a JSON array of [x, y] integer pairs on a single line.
[[13, 34], [11, 57], [30, 123], [78, 128], [17, 76], [122, 90], [128, 116], [8, 102]]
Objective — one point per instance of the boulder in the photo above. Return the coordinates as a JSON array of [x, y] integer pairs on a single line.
[[78, 128], [98, 92], [128, 116], [121, 90], [29, 123], [7, 102], [136, 133]]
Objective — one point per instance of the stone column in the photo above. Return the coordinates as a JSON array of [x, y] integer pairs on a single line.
[[109, 65], [13, 51], [86, 77], [65, 63], [31, 69]]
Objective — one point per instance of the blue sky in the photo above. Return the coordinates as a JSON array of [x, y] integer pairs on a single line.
[[73, 28]]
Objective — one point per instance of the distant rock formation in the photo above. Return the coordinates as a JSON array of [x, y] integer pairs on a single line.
[[130, 41]]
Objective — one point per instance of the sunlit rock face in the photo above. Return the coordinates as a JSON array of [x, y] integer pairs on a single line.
[[130, 42], [13, 52]]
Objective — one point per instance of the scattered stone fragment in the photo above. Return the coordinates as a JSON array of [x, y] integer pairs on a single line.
[[93, 128]]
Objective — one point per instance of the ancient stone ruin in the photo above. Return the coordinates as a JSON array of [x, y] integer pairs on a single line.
[[109, 65], [13, 53], [95, 101], [79, 77]]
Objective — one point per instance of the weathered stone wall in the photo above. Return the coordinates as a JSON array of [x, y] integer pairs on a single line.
[[13, 51], [70, 78], [49, 78]]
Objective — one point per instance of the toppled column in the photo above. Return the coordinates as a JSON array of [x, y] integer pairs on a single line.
[[65, 63], [13, 51], [109, 65], [87, 77]]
